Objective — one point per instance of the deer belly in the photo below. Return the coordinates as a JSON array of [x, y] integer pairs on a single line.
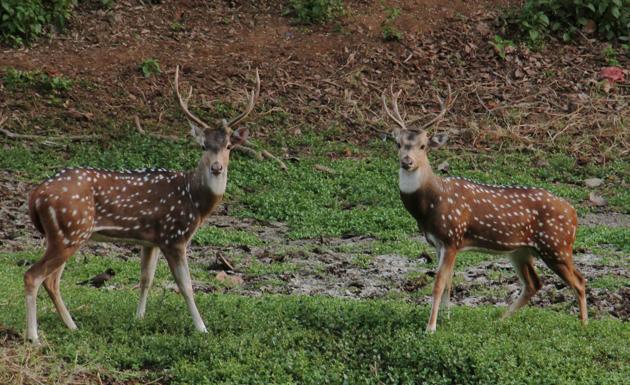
[[116, 234]]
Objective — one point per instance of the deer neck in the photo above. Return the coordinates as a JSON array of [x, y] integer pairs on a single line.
[[206, 189], [422, 178], [420, 190]]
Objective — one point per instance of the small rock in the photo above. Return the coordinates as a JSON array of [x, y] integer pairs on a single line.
[[234, 280], [443, 167], [593, 182], [597, 199]]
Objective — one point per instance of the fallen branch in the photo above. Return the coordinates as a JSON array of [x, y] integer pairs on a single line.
[[269, 155], [250, 151], [13, 135]]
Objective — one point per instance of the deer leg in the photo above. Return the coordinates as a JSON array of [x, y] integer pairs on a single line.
[[530, 283], [566, 270], [51, 283], [54, 259], [177, 262], [446, 298], [445, 271], [148, 263]]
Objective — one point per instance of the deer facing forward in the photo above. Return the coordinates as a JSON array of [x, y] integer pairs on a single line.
[[158, 209], [456, 214]]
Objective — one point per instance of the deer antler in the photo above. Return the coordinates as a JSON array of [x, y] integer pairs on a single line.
[[444, 107], [396, 115], [251, 100], [184, 103]]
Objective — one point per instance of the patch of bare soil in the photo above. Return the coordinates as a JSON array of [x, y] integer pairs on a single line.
[[324, 74], [610, 219], [318, 268]]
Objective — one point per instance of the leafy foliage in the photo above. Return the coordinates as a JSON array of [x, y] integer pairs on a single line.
[[42, 82], [314, 11], [150, 67], [540, 18], [24, 20]]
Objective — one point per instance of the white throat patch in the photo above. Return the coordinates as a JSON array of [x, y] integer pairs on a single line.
[[217, 183], [410, 181]]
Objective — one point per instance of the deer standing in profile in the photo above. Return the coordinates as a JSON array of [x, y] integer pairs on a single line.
[[457, 214], [158, 209]]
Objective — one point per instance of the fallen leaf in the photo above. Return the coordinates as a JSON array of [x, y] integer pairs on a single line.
[[597, 199], [325, 169], [590, 26], [612, 74], [593, 182], [229, 279]]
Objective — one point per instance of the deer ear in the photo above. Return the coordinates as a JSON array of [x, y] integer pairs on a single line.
[[438, 140], [239, 136], [197, 133], [396, 133]]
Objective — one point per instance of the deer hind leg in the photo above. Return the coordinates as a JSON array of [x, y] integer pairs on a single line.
[[443, 275], [53, 261], [148, 263], [51, 283], [524, 264], [571, 276], [446, 298], [177, 262]]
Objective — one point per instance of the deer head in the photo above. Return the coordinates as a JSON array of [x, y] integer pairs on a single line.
[[217, 141], [413, 143]]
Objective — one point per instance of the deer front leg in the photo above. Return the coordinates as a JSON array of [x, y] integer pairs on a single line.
[[443, 275], [148, 263], [177, 262]]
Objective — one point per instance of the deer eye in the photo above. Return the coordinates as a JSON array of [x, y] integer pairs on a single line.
[[422, 147], [397, 145]]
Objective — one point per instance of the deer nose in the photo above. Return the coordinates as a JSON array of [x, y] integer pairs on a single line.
[[216, 168], [406, 162]]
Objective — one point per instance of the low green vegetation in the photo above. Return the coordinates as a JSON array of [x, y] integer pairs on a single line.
[[360, 198], [22, 21], [538, 19], [309, 340], [150, 67], [388, 28], [314, 11], [15, 79]]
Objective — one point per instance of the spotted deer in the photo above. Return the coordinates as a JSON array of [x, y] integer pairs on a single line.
[[456, 214], [157, 209]]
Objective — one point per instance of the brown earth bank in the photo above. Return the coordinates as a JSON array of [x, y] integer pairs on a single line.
[[322, 75]]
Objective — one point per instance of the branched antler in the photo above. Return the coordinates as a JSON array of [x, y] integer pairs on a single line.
[[395, 116], [184, 103], [444, 107]]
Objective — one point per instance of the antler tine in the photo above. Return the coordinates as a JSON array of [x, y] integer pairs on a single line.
[[184, 103], [395, 97], [444, 107], [251, 101], [396, 118]]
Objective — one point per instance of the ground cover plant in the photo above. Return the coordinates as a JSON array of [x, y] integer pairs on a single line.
[[316, 274]]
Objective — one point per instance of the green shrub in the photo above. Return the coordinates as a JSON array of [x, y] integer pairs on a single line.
[[24, 20], [537, 19], [314, 11]]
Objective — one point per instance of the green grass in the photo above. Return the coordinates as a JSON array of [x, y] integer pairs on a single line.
[[309, 340], [361, 198]]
